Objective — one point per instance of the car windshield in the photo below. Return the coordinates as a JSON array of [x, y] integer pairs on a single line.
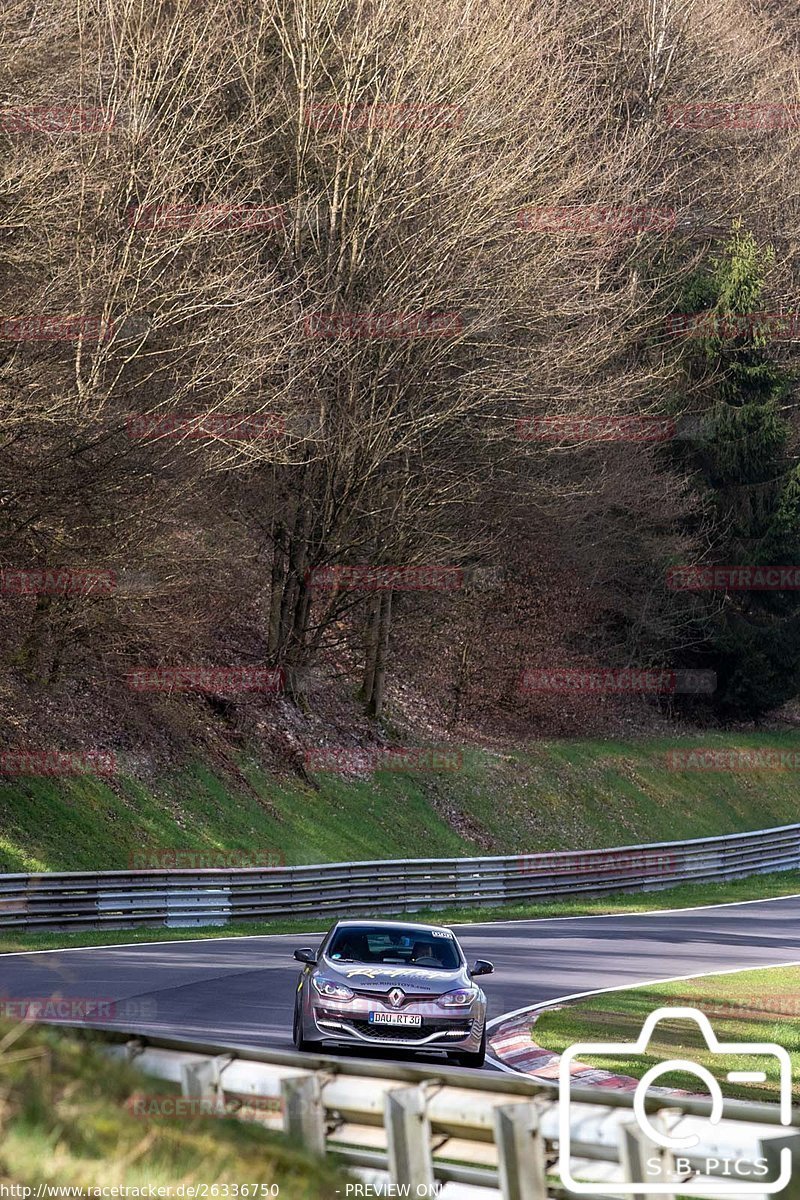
[[434, 949]]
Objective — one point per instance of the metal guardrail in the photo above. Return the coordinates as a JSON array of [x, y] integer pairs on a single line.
[[181, 898], [418, 1128]]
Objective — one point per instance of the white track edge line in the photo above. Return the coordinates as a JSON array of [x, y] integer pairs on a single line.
[[644, 912]]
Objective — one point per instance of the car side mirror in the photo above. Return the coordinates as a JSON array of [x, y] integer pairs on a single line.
[[481, 967], [306, 955]]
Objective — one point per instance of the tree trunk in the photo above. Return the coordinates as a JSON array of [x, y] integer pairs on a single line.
[[373, 636], [461, 678], [375, 706], [297, 557], [276, 589]]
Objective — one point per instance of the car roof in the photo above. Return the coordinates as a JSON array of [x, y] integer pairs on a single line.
[[350, 923]]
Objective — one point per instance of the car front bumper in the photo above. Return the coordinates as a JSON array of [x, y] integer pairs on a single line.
[[349, 1024]]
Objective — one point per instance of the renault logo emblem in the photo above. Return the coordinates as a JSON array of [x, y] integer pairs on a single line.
[[396, 997]]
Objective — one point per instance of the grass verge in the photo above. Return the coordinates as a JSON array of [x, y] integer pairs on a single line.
[[758, 887], [748, 1006], [568, 794], [68, 1118]]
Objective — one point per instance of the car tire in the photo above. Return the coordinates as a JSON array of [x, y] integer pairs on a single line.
[[300, 1043], [473, 1060]]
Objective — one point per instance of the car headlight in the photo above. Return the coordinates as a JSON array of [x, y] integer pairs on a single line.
[[333, 991], [460, 999]]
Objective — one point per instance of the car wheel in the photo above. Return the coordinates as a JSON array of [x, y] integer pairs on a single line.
[[301, 1043], [473, 1060]]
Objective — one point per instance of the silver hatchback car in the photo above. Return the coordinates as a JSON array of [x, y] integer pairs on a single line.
[[391, 984]]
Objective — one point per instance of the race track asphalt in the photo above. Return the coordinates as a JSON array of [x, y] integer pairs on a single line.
[[239, 991]]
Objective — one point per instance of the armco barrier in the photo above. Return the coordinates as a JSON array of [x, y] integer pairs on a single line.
[[415, 1128], [215, 897]]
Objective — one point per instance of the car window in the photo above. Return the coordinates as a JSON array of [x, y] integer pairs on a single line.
[[372, 944]]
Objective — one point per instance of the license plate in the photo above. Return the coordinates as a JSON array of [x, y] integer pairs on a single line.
[[387, 1018]]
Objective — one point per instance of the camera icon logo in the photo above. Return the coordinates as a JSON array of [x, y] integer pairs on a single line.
[[690, 1180]]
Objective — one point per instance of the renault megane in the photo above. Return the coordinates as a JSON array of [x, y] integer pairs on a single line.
[[391, 984]]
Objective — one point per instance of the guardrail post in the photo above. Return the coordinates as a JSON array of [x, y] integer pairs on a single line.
[[638, 1154], [304, 1111], [521, 1162], [202, 1079], [772, 1150], [197, 1079], [408, 1139], [133, 1048]]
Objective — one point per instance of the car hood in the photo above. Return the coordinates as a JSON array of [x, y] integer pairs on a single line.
[[372, 978]]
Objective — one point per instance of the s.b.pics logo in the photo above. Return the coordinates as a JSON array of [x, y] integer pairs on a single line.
[[686, 1154]]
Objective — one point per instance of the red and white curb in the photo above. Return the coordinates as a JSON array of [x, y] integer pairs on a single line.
[[513, 1045]]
